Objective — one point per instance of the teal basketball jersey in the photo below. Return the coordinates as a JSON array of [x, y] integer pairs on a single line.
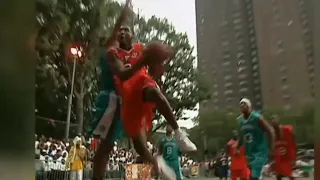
[[254, 138], [170, 149], [106, 76]]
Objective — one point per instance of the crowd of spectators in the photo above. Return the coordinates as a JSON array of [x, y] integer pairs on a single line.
[[52, 154]]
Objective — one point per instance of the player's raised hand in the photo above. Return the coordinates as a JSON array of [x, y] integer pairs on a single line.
[[124, 15]]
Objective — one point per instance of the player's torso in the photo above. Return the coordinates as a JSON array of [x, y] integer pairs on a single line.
[[170, 149], [132, 56], [254, 138], [284, 144]]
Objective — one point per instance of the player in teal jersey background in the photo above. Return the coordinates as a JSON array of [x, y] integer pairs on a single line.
[[257, 136], [170, 152]]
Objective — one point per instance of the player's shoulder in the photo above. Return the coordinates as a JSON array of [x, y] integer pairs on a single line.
[[256, 114], [138, 46], [240, 117], [112, 50], [162, 139]]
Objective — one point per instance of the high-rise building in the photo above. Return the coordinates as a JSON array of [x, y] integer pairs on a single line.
[[227, 52], [256, 49], [285, 49]]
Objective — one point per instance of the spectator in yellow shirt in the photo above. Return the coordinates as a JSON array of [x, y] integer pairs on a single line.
[[76, 159]]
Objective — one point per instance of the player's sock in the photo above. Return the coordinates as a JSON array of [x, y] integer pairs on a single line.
[[165, 171], [184, 142]]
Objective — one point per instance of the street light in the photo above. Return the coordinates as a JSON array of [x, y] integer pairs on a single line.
[[76, 53]]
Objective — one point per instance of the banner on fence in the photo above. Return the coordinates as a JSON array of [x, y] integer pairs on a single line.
[[194, 170], [138, 171]]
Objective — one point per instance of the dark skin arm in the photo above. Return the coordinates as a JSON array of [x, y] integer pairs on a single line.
[[120, 70], [266, 127], [240, 141], [121, 20]]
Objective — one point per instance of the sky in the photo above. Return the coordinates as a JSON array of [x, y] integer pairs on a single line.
[[181, 13]]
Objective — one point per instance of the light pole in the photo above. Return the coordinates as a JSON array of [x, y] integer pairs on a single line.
[[76, 53]]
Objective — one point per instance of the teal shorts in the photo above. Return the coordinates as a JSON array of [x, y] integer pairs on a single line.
[[256, 164], [107, 122], [175, 165]]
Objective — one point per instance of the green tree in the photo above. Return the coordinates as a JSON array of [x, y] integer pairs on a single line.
[[61, 24]]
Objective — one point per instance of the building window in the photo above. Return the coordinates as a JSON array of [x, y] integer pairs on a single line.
[[254, 59], [241, 61], [286, 97], [243, 90], [228, 92], [240, 47], [237, 21], [256, 81], [287, 107], [227, 77], [284, 79], [238, 27], [229, 84], [227, 56], [242, 76], [283, 68], [240, 69], [284, 87], [225, 43], [240, 55], [243, 83]]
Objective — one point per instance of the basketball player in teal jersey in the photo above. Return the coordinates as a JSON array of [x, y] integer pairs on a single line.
[[257, 137], [169, 150]]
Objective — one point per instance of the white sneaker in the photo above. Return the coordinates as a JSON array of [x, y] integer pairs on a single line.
[[184, 142], [166, 172]]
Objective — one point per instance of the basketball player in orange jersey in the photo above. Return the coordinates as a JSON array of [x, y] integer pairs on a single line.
[[140, 94], [238, 168], [285, 153], [107, 124]]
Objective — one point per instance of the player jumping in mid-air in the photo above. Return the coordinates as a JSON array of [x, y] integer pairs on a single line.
[[140, 93], [257, 137], [238, 167], [285, 153], [169, 150]]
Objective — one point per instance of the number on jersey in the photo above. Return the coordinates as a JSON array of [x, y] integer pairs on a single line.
[[169, 150], [282, 151], [248, 138]]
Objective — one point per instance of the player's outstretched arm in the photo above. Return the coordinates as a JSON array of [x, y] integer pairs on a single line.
[[270, 132], [120, 70], [121, 20]]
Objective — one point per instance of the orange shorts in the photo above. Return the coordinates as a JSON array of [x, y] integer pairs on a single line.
[[135, 113], [283, 168], [241, 173]]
